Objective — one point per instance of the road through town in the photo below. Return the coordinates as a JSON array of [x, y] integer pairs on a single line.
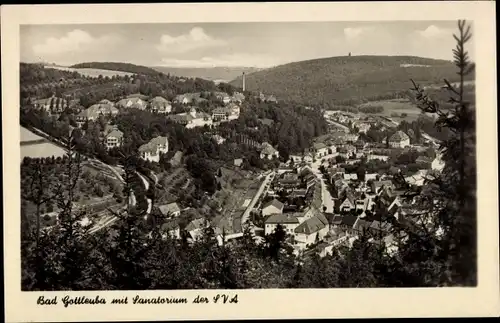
[[269, 177], [325, 193]]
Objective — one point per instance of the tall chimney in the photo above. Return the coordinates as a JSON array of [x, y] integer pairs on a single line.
[[243, 81]]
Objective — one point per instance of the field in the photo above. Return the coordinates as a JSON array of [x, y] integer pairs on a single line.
[[39, 149], [92, 72], [27, 135], [397, 106], [175, 182]]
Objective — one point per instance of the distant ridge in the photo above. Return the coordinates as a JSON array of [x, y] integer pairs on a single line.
[[115, 66], [219, 74], [347, 79]]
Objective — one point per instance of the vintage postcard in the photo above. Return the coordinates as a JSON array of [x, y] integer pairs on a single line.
[[249, 160]]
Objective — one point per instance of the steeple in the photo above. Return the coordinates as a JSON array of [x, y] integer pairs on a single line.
[[243, 81]]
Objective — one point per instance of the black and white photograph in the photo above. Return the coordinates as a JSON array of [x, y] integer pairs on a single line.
[[287, 155]]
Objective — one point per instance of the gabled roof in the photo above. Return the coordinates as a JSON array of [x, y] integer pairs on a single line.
[[334, 219], [349, 220], [159, 99], [267, 149], [169, 208], [319, 145], [310, 226], [277, 204], [281, 218], [115, 133], [196, 224], [398, 137]]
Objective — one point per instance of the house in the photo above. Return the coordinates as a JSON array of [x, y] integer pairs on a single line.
[[170, 210], [334, 220], [272, 207], [94, 111], [238, 162], [224, 97], [351, 177], [378, 185], [226, 113], [424, 161], [347, 202], [347, 223], [161, 105], [399, 140], [308, 158], [346, 151], [133, 103], [195, 228], [268, 152], [192, 119], [113, 139], [238, 97], [189, 98], [151, 151], [171, 229], [311, 230], [320, 150], [289, 223]]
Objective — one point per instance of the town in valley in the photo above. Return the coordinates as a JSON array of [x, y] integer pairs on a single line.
[[300, 179]]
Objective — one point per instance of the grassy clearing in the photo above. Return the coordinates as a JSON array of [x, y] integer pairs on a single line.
[[396, 106], [91, 72]]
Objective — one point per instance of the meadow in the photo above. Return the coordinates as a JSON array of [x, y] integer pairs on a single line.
[[38, 150], [396, 106], [91, 72]]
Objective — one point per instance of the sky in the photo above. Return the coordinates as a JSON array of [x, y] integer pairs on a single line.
[[262, 44]]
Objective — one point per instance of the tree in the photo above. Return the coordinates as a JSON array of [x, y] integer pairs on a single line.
[[451, 201]]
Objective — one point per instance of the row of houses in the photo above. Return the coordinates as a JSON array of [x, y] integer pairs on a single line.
[[199, 97]]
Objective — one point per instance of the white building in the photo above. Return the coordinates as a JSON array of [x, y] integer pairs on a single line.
[[268, 152], [399, 140], [289, 223], [272, 207], [114, 139], [192, 119], [152, 150]]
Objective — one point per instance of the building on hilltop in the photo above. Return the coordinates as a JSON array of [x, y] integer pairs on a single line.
[[399, 140], [151, 151]]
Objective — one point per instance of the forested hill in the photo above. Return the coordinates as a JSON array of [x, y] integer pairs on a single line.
[[122, 67], [348, 79]]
